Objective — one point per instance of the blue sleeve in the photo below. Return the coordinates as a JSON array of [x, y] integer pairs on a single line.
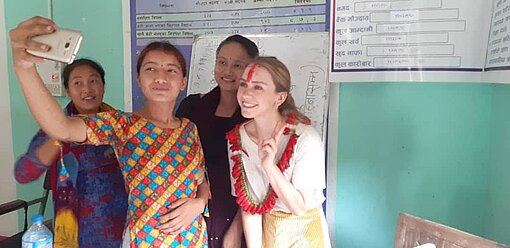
[[28, 167]]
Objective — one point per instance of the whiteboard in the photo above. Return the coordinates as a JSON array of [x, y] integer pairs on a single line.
[[305, 54]]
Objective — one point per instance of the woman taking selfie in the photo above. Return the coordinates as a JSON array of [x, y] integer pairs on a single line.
[[160, 155]]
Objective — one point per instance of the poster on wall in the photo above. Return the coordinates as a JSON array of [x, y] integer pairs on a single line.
[[415, 40], [498, 52], [179, 21], [497, 64], [50, 72]]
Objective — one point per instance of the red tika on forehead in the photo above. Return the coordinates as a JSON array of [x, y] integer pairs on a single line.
[[250, 72]]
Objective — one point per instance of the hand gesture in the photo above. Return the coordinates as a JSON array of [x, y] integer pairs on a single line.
[[21, 40], [268, 149], [182, 213]]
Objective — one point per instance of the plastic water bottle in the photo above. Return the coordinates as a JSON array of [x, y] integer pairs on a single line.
[[38, 235]]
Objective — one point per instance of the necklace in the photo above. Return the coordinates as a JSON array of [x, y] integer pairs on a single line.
[[244, 198], [273, 133]]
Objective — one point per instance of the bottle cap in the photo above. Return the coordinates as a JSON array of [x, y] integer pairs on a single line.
[[37, 218]]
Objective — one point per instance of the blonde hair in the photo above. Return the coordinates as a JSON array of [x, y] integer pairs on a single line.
[[281, 78]]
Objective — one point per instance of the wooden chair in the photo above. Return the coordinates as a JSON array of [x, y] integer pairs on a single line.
[[413, 231]]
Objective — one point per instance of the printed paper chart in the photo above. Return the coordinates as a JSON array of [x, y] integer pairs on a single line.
[[428, 37]]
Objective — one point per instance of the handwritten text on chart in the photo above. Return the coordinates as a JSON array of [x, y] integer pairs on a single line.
[[498, 51], [314, 94]]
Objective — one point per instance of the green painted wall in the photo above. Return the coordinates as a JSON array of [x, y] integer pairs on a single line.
[[101, 24], [438, 151], [498, 209]]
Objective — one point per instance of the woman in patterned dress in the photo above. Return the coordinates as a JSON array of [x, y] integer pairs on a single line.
[[88, 189], [277, 163], [160, 155]]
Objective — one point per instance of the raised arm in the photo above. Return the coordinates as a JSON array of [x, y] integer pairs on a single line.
[[287, 193], [308, 178], [46, 111]]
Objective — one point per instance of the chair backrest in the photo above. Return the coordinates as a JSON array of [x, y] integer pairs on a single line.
[[15, 240], [46, 192], [413, 231], [47, 180]]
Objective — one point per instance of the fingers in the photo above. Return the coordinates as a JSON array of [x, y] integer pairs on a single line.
[[184, 211], [267, 153], [37, 20], [36, 26], [268, 145], [21, 38], [175, 211], [273, 140], [175, 221], [178, 203], [170, 223], [174, 226], [167, 217]]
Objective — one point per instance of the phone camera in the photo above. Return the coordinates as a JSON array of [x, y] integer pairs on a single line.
[[67, 45]]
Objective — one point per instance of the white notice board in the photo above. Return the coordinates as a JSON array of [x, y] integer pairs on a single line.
[[305, 54]]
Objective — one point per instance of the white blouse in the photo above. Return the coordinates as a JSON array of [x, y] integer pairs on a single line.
[[306, 167]]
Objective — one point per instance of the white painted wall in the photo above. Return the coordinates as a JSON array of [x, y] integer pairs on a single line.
[[126, 30], [9, 222]]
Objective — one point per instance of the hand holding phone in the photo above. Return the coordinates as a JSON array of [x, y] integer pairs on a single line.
[[64, 43]]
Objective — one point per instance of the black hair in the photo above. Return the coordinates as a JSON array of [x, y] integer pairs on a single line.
[[79, 62], [165, 47], [249, 46]]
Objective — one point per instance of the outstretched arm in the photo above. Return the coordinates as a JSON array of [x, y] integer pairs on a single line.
[[46, 111]]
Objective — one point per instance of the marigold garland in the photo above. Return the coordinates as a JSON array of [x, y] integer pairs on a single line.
[[244, 199]]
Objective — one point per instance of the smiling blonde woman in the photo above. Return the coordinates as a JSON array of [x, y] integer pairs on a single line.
[[277, 163]]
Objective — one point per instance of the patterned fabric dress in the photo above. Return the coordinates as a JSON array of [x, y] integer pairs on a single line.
[[160, 165], [88, 190]]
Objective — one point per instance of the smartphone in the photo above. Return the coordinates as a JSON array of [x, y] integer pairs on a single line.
[[64, 45]]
